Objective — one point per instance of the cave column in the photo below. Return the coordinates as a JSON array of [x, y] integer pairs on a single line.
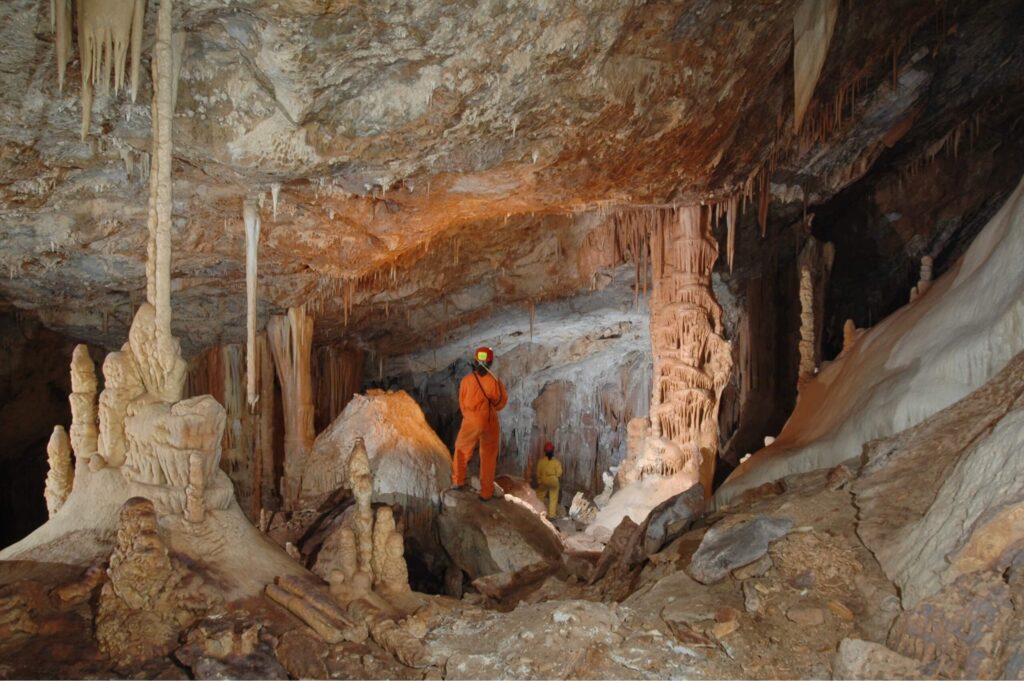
[[291, 341], [692, 360]]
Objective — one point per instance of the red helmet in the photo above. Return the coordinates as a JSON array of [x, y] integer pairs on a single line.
[[548, 448], [484, 355]]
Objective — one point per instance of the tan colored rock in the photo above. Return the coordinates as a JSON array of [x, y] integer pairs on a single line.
[[383, 527], [291, 341], [122, 384], [362, 489], [806, 616], [722, 629], [150, 596], [858, 659], [84, 431], [759, 567], [840, 610], [61, 475]]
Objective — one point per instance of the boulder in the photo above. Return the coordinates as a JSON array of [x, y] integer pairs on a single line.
[[487, 537], [672, 517], [521, 490], [858, 659], [725, 549]]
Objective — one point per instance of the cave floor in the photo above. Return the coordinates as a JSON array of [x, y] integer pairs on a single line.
[[821, 586]]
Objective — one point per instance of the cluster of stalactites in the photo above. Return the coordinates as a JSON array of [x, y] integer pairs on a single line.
[[107, 30]]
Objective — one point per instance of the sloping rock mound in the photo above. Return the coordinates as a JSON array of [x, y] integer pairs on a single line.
[[410, 464], [923, 358], [487, 537], [965, 510]]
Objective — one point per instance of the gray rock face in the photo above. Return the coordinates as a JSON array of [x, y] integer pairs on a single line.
[[485, 538], [858, 659], [724, 550], [672, 517]]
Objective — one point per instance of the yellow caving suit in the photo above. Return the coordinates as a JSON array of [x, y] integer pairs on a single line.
[[549, 473]]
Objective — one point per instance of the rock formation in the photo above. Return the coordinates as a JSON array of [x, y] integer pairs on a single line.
[[291, 338], [251, 216], [692, 360], [150, 596], [83, 405], [61, 476]]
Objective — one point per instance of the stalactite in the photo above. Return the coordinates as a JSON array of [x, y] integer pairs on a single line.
[[107, 29], [291, 339], [813, 24], [807, 360], [251, 217], [275, 193], [60, 23]]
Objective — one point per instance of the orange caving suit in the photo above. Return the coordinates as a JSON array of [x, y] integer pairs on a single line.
[[479, 401]]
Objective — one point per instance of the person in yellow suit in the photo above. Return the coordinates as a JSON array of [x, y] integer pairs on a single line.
[[549, 475]]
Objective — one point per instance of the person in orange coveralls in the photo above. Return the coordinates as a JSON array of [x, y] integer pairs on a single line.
[[481, 396]]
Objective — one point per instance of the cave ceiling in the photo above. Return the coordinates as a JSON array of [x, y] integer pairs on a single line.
[[441, 158]]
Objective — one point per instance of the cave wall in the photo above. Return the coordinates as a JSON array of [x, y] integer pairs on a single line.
[[34, 384], [576, 380]]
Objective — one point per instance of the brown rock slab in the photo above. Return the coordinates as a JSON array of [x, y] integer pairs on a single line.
[[722, 629]]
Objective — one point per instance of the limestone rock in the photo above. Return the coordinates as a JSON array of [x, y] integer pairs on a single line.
[[151, 596], [484, 538], [724, 550], [302, 655], [758, 568], [502, 584], [857, 659], [229, 649], [61, 474], [672, 517], [959, 631]]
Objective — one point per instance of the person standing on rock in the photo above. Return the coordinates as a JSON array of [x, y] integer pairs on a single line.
[[481, 396], [549, 475]]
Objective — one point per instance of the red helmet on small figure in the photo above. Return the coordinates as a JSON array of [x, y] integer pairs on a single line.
[[484, 355], [549, 448]]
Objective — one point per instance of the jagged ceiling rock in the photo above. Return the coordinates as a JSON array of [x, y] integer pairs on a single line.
[[398, 131]]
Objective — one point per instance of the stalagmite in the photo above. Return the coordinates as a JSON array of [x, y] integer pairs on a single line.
[[806, 324], [362, 488], [925, 281], [850, 334], [195, 509], [61, 475], [815, 263], [813, 24], [122, 385], [251, 216], [106, 31], [382, 529], [84, 433], [291, 340]]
